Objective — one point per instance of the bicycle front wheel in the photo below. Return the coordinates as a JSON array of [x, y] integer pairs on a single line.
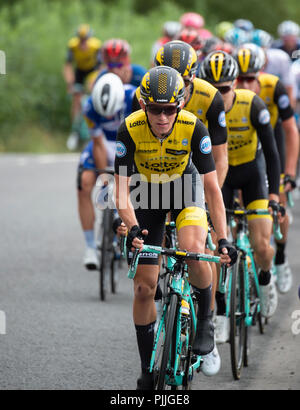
[[237, 317], [170, 329]]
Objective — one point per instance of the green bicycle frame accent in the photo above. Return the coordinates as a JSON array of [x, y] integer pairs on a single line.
[[181, 287]]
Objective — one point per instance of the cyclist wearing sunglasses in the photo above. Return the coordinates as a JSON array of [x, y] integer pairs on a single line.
[[166, 147], [205, 102], [250, 59], [251, 145], [116, 58], [200, 98]]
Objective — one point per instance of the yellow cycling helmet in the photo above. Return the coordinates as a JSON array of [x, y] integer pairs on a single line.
[[84, 31], [219, 67], [179, 55], [162, 85], [250, 58]]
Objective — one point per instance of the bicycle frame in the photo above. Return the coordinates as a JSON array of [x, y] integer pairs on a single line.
[[242, 243], [179, 286]]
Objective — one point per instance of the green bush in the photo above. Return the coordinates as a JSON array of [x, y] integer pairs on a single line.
[[34, 35]]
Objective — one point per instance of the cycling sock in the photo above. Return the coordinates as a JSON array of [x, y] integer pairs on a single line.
[[264, 278], [90, 238], [145, 339], [203, 297], [280, 255], [221, 305]]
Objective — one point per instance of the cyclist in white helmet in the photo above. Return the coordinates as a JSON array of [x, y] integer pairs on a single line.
[[109, 104], [277, 62], [289, 33], [171, 30]]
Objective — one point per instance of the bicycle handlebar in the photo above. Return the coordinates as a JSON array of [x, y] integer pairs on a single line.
[[177, 254], [245, 212]]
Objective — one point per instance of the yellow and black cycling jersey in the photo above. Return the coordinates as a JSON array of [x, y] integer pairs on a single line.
[[86, 58], [205, 103], [249, 130], [274, 95], [163, 160]]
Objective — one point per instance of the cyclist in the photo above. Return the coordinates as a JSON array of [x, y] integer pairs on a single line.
[[250, 139], [236, 36], [250, 60], [171, 30], [206, 103], [83, 54], [296, 73], [289, 33], [116, 58], [200, 98], [193, 38], [166, 147], [109, 104], [222, 28], [244, 24], [192, 21], [277, 62]]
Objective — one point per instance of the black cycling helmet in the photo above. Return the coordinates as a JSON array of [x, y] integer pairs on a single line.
[[250, 58], [162, 85], [179, 55], [219, 67]]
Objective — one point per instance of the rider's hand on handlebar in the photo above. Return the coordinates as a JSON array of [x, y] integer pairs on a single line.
[[289, 183], [135, 238], [228, 252], [275, 206]]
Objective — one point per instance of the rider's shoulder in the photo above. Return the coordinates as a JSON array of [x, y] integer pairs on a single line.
[[94, 42], [73, 42]]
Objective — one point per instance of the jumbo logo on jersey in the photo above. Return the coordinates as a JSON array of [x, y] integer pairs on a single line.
[[205, 145]]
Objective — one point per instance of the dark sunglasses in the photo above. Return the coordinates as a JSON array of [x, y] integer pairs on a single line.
[[115, 65], [224, 89], [248, 79], [186, 82], [157, 110]]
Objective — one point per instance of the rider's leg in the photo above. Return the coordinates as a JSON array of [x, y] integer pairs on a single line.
[[192, 232], [86, 207]]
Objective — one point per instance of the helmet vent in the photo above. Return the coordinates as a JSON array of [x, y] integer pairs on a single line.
[[176, 59], [162, 83]]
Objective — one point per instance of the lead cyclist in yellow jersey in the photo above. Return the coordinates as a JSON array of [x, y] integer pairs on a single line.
[[200, 98], [250, 59], [251, 144], [162, 150]]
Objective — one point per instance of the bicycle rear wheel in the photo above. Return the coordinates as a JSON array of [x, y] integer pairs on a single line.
[[237, 317], [166, 353], [106, 252]]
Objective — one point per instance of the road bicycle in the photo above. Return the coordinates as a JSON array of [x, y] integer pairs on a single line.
[[241, 287], [108, 243], [173, 362]]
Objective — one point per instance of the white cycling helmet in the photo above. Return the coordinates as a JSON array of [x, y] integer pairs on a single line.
[[108, 95], [171, 28], [288, 28]]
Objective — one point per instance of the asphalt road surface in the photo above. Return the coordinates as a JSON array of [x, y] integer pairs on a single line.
[[54, 331]]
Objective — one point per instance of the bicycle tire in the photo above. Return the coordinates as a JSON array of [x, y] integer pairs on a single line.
[[106, 253], [170, 325], [187, 380], [237, 318]]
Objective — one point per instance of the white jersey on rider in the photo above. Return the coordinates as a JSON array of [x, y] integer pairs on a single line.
[[279, 64]]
